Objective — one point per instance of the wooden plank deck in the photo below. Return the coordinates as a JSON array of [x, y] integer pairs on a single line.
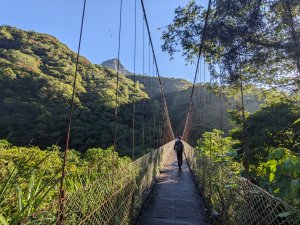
[[175, 198]]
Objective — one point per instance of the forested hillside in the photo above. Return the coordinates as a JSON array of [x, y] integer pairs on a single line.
[[36, 77]]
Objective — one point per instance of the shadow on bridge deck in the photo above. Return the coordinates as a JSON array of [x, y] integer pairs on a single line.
[[175, 199]]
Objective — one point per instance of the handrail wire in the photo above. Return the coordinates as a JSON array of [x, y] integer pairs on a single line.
[[197, 67], [60, 213]]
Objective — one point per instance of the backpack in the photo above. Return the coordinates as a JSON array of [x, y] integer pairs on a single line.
[[178, 146]]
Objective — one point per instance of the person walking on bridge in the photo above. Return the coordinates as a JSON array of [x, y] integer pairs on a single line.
[[178, 147]]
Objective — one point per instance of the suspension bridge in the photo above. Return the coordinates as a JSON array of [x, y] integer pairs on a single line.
[[151, 189]]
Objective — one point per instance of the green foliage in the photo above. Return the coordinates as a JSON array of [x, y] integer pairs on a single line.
[[272, 137], [273, 125], [297, 121], [282, 176], [7, 73], [102, 159], [219, 149], [4, 144], [28, 182], [255, 39], [30, 176], [278, 172]]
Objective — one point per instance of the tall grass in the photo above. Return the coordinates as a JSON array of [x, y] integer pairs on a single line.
[[19, 199], [29, 179]]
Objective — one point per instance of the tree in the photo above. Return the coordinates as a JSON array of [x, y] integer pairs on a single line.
[[256, 39]]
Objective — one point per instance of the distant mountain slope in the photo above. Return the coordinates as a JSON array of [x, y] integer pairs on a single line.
[[36, 75], [113, 64], [169, 84]]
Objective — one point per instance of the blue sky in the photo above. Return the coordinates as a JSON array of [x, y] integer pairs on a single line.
[[61, 18]]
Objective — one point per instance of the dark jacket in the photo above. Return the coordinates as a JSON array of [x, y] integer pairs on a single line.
[[178, 145]]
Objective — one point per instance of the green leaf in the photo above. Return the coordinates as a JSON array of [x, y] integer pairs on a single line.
[[232, 154], [271, 162], [271, 177], [285, 214], [295, 145], [7, 182], [31, 185], [39, 201], [273, 168], [3, 221], [12, 178], [20, 198], [295, 184], [297, 121]]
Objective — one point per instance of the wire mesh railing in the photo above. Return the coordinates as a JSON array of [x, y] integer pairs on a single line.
[[234, 200], [113, 198]]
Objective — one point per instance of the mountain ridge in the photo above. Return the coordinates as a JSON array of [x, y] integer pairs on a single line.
[[169, 83], [113, 64]]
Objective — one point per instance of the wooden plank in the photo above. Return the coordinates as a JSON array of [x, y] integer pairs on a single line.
[[175, 198]]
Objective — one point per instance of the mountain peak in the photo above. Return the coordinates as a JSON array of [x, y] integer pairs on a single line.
[[113, 64]]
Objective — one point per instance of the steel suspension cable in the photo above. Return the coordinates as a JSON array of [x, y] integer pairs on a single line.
[[221, 109], [60, 214], [210, 133], [221, 116], [134, 84], [244, 130], [197, 67], [197, 100], [200, 95], [210, 102], [154, 95], [245, 147], [166, 113], [204, 89], [210, 82], [198, 105], [151, 97], [149, 64], [143, 132], [117, 89]]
